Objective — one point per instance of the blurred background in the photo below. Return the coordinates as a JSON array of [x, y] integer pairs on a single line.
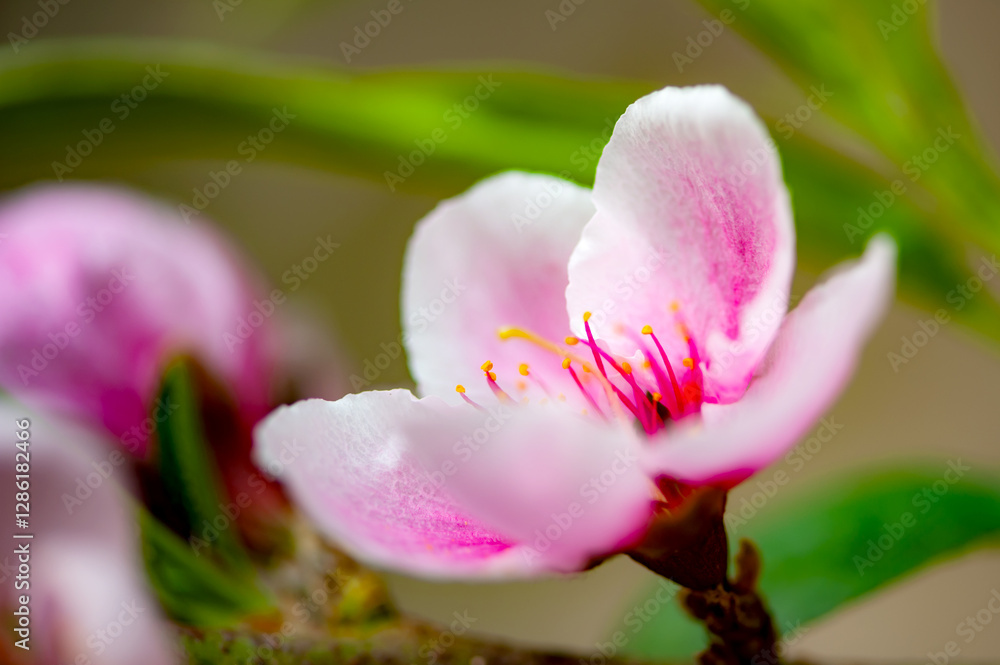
[[942, 404]]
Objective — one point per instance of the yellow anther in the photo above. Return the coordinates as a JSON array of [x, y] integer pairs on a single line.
[[674, 306], [626, 367], [493, 376], [646, 364], [586, 316], [657, 397], [647, 330], [688, 362], [460, 389], [522, 369], [566, 363], [586, 369], [572, 341], [486, 366], [519, 333]]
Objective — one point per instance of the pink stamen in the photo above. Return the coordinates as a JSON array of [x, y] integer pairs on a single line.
[[592, 343], [662, 382], [524, 371], [640, 397], [491, 381], [670, 370], [460, 389], [568, 366]]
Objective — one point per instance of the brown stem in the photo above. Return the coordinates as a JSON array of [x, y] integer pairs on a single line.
[[738, 621], [398, 642]]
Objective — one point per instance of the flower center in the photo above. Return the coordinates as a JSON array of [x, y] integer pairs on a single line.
[[654, 395]]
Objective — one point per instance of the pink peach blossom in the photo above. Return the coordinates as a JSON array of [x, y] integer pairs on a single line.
[[637, 345], [100, 288], [87, 597]]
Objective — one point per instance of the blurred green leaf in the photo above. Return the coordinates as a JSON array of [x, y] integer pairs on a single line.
[[209, 101], [823, 550], [187, 470], [878, 60], [192, 589], [828, 190]]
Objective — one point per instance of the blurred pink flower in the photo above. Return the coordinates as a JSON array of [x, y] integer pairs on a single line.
[[100, 287], [681, 368], [87, 599]]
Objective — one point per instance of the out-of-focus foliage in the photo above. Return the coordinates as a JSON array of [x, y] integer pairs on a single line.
[[208, 101], [840, 542], [188, 473], [406, 129], [209, 581], [888, 84], [192, 589]]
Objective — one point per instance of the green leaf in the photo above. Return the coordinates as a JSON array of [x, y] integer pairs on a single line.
[[206, 102], [188, 472], [192, 589], [827, 192], [823, 550], [885, 80], [364, 124]]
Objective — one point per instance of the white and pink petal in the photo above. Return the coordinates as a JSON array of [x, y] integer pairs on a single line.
[[806, 369], [493, 257], [692, 211], [85, 559], [350, 466], [570, 489]]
